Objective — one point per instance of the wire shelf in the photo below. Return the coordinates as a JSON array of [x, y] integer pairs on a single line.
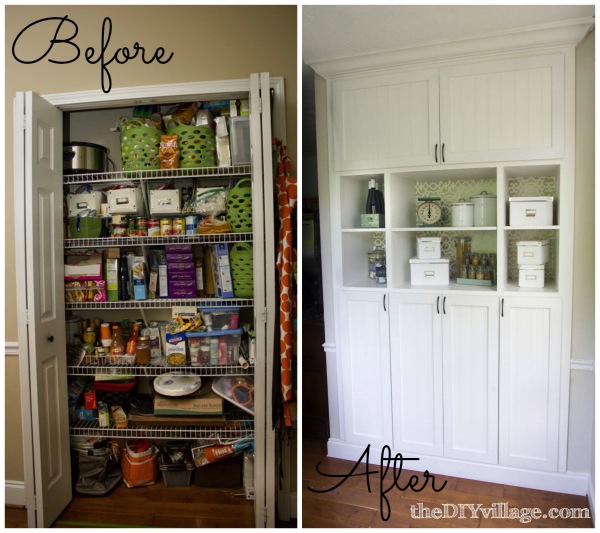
[[151, 371], [151, 175], [238, 426], [108, 242], [161, 303]]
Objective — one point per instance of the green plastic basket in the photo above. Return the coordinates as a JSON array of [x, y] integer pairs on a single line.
[[239, 206], [242, 274], [85, 227], [139, 146], [197, 145]]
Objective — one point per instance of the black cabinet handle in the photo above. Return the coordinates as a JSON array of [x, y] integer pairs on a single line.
[[502, 309], [384, 307], [444, 305], [51, 338], [438, 305], [443, 158], [436, 153]]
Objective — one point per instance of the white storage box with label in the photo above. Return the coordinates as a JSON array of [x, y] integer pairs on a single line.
[[125, 201], [531, 276], [533, 252], [429, 271], [531, 210], [429, 247], [167, 201], [87, 200]]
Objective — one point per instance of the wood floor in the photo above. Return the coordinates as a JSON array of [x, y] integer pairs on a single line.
[[153, 506], [351, 504]]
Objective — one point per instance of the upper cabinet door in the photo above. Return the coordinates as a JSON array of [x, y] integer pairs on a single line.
[[386, 121], [503, 110]]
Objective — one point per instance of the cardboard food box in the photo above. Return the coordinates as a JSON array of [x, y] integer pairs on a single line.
[[83, 267], [222, 270], [119, 417], [196, 404]]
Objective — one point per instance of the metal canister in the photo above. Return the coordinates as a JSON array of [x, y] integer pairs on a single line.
[[119, 229], [153, 227], [179, 226], [141, 226], [166, 227], [191, 225]]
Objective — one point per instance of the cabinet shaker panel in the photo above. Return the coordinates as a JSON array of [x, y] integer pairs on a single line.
[[363, 335], [530, 353], [502, 110], [416, 359], [383, 121]]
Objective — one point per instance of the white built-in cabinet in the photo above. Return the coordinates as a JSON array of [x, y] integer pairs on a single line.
[[503, 110], [475, 378]]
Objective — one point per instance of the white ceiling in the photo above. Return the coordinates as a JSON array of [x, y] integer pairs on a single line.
[[333, 32]]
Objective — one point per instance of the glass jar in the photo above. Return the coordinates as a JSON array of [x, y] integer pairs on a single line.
[[89, 336], [464, 271], [375, 257], [471, 272], [463, 247], [142, 351], [480, 273], [194, 346], [484, 260], [475, 259]]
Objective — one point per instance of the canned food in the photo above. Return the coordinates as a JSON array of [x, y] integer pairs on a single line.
[[191, 224], [118, 230], [179, 226], [141, 226], [131, 228], [153, 227], [166, 227]]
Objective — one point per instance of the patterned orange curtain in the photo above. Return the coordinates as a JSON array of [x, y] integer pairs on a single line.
[[287, 197]]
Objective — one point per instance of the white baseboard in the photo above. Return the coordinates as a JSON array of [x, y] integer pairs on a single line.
[[14, 493], [564, 482]]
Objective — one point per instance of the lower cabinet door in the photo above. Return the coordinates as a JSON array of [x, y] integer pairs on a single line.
[[530, 360], [416, 363], [470, 361], [362, 338]]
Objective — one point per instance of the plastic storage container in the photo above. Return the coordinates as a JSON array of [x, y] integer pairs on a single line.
[[223, 346], [429, 271], [239, 390], [240, 140], [220, 318], [176, 465], [531, 210]]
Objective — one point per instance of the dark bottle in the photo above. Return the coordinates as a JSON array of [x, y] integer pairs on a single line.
[[123, 279], [380, 203], [373, 205]]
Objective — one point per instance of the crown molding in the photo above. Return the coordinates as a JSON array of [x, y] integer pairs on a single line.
[[556, 34]]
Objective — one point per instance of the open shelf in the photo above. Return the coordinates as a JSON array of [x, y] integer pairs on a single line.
[[161, 303], [109, 242], [152, 371]]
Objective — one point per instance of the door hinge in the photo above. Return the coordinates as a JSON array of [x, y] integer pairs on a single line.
[[24, 122], [260, 105], [266, 516]]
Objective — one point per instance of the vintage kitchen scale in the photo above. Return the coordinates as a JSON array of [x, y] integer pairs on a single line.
[[429, 211]]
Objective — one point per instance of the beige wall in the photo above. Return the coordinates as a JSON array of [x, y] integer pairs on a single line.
[[209, 43]]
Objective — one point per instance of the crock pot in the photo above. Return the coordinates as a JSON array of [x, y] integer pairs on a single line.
[[83, 157]]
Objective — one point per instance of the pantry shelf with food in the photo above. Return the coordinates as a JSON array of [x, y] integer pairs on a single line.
[[182, 239]]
